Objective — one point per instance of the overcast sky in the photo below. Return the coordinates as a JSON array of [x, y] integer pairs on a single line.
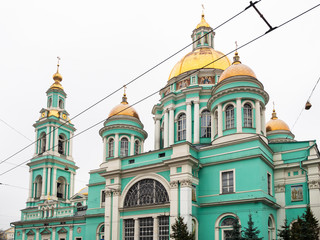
[[105, 44]]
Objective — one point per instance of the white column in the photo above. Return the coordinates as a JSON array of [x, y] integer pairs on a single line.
[[56, 138], [37, 234], [30, 185], [171, 126], [44, 175], [136, 228], [54, 182], [196, 123], [186, 202], [49, 182], [53, 233], [156, 133], [52, 138], [67, 191], [71, 144], [258, 118], [116, 145], [47, 138], [166, 129], [239, 116], [36, 141], [212, 127], [220, 123], [107, 221], [34, 189], [155, 228], [23, 234], [72, 184], [281, 200], [142, 146], [173, 202], [115, 215], [104, 149], [132, 145], [188, 123], [263, 121], [71, 233]]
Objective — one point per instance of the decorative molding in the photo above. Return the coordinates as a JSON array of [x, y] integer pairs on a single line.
[[123, 126], [186, 183], [314, 184], [173, 184], [279, 188]]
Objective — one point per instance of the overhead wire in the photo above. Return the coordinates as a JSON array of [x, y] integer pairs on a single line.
[[148, 96], [136, 78], [21, 134]]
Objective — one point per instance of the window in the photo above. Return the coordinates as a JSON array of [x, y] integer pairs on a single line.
[[146, 228], [247, 115], [129, 229], [101, 232], [136, 147], [199, 39], [182, 127], [110, 147], [61, 103], [124, 147], [216, 123], [227, 182], [43, 142], [61, 186], [226, 226], [206, 38], [229, 117], [163, 228], [146, 192], [38, 187], [49, 102], [103, 198], [205, 124], [62, 144], [271, 228], [269, 183]]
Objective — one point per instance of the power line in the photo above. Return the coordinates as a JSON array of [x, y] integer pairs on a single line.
[[15, 130], [247, 43], [136, 78]]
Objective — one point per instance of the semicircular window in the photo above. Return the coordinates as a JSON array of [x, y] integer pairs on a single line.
[[146, 192]]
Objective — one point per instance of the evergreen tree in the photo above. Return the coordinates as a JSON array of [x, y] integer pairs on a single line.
[[310, 226], [180, 230], [285, 232], [236, 230], [296, 232], [251, 232]]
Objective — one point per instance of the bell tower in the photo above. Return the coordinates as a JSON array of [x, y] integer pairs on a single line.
[[52, 168]]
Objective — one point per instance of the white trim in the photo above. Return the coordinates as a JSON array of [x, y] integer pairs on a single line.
[[203, 109], [273, 229], [234, 179], [227, 104], [178, 114], [249, 102], [217, 224], [97, 230], [139, 177], [125, 136]]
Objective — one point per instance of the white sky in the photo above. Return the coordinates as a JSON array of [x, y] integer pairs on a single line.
[[104, 44]]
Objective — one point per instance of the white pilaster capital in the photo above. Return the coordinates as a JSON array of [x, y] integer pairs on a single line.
[[174, 184], [279, 188], [185, 183], [188, 103], [314, 184], [166, 110], [196, 102]]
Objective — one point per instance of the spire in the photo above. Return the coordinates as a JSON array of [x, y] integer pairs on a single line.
[[274, 114], [203, 22], [236, 58], [57, 77], [124, 98]]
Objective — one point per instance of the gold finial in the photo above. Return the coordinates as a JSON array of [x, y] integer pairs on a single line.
[[202, 10], [124, 98], [236, 58], [274, 114], [57, 76]]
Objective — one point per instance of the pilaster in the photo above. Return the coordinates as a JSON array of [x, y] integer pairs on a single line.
[[188, 123], [258, 118], [116, 145], [220, 124], [157, 133], [166, 129], [196, 123], [239, 116], [171, 126]]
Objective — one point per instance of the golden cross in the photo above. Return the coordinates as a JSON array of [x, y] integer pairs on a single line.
[[236, 46], [273, 105], [124, 88], [58, 60], [202, 8]]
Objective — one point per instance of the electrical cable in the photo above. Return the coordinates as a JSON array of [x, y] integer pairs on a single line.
[[15, 130], [247, 43], [136, 78]]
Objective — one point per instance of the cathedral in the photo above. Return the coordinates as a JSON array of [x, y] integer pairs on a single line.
[[215, 159]]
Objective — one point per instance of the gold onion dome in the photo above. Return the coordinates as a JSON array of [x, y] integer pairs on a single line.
[[276, 124], [84, 191], [203, 22], [199, 58], [124, 109], [237, 69], [57, 79]]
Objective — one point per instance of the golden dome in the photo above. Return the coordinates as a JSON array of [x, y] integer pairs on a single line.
[[84, 191], [237, 69], [57, 79], [276, 124], [199, 58], [203, 22], [124, 109]]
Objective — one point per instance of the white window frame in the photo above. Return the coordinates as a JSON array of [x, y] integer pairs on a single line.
[[182, 133], [125, 150], [248, 117], [225, 115], [208, 126], [111, 139], [234, 180]]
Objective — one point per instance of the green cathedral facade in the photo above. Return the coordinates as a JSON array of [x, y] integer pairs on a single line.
[[215, 159]]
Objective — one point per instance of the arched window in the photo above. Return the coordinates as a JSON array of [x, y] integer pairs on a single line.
[[226, 227], [247, 115], [101, 232], [271, 229], [110, 147], [229, 117], [181, 127], [62, 144], [61, 188], [205, 38], [61, 105], [136, 147], [124, 147], [216, 123], [38, 187], [49, 102], [146, 192], [205, 124], [43, 141]]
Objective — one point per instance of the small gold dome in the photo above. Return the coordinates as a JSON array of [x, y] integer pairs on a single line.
[[237, 69], [124, 109], [203, 22], [84, 191], [57, 79], [276, 124], [199, 58]]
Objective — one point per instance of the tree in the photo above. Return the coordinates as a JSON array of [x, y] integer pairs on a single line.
[[285, 232], [236, 230], [251, 232], [310, 225], [296, 232], [180, 230]]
